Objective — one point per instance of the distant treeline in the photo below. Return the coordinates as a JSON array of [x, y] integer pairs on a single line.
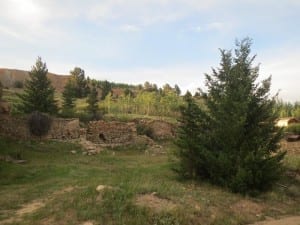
[[287, 109]]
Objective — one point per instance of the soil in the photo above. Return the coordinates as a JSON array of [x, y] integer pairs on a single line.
[[33, 206], [155, 203], [293, 220]]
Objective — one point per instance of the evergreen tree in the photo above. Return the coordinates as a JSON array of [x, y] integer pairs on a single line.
[[80, 86], [105, 89], [68, 99], [236, 141], [38, 93], [92, 101]]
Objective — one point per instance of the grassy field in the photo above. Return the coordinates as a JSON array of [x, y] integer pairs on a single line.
[[58, 187]]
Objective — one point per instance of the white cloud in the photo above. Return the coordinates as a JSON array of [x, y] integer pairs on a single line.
[[283, 65], [129, 28]]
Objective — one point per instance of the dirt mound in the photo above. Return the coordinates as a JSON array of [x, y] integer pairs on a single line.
[[155, 203]]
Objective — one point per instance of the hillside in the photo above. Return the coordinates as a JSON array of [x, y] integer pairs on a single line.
[[8, 77]]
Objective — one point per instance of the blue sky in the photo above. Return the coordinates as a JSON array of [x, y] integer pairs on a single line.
[[161, 41]]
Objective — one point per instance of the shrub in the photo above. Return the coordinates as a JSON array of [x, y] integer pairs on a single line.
[[233, 141], [294, 128], [18, 84], [143, 129], [39, 123]]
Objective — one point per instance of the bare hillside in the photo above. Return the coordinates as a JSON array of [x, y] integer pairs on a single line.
[[8, 77]]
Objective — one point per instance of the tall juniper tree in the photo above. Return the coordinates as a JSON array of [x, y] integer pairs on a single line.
[[234, 139], [38, 93]]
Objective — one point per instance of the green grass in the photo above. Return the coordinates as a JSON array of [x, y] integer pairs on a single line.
[[51, 168]]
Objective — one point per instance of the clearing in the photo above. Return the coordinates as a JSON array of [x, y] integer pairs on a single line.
[[56, 186]]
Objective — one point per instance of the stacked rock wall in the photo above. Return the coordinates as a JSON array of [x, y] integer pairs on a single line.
[[111, 133], [17, 128]]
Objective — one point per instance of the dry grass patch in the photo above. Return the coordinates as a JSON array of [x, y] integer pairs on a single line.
[[155, 203]]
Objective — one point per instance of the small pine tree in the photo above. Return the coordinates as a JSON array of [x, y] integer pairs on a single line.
[[92, 101], [39, 93], [68, 99], [236, 141], [81, 88]]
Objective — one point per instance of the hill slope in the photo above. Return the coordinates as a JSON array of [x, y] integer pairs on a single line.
[[8, 77]]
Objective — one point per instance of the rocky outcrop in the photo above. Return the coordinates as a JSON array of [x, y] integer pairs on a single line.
[[111, 133]]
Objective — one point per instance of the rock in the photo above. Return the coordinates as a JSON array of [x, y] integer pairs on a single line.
[[88, 223], [101, 188], [73, 152], [293, 137]]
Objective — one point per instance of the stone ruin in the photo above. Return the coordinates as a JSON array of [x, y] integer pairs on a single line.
[[111, 133], [17, 128]]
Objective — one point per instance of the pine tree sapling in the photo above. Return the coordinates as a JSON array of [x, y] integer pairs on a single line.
[[233, 142], [38, 93], [92, 101], [68, 100]]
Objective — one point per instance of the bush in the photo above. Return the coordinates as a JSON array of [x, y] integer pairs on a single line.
[[39, 123], [18, 84], [143, 129], [294, 128]]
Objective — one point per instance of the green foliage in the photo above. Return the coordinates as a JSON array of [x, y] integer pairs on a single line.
[[105, 88], [39, 93], [79, 83], [143, 129], [39, 123], [287, 109], [68, 100], [18, 84], [233, 142], [93, 108], [293, 128]]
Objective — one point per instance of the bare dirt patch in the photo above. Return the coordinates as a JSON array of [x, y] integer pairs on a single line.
[[33, 206], [155, 203], [293, 220], [247, 207]]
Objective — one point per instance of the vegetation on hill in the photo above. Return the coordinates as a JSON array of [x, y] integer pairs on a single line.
[[233, 142]]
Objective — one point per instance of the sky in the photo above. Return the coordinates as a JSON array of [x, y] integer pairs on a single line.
[[160, 41]]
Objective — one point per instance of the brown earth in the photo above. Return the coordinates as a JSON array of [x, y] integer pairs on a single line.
[[293, 220], [8, 77], [155, 203], [33, 206]]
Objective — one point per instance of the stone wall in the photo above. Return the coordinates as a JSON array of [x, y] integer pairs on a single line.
[[111, 133], [17, 128]]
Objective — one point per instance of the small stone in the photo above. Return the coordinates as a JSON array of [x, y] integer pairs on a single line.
[[101, 187], [88, 223], [73, 152]]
